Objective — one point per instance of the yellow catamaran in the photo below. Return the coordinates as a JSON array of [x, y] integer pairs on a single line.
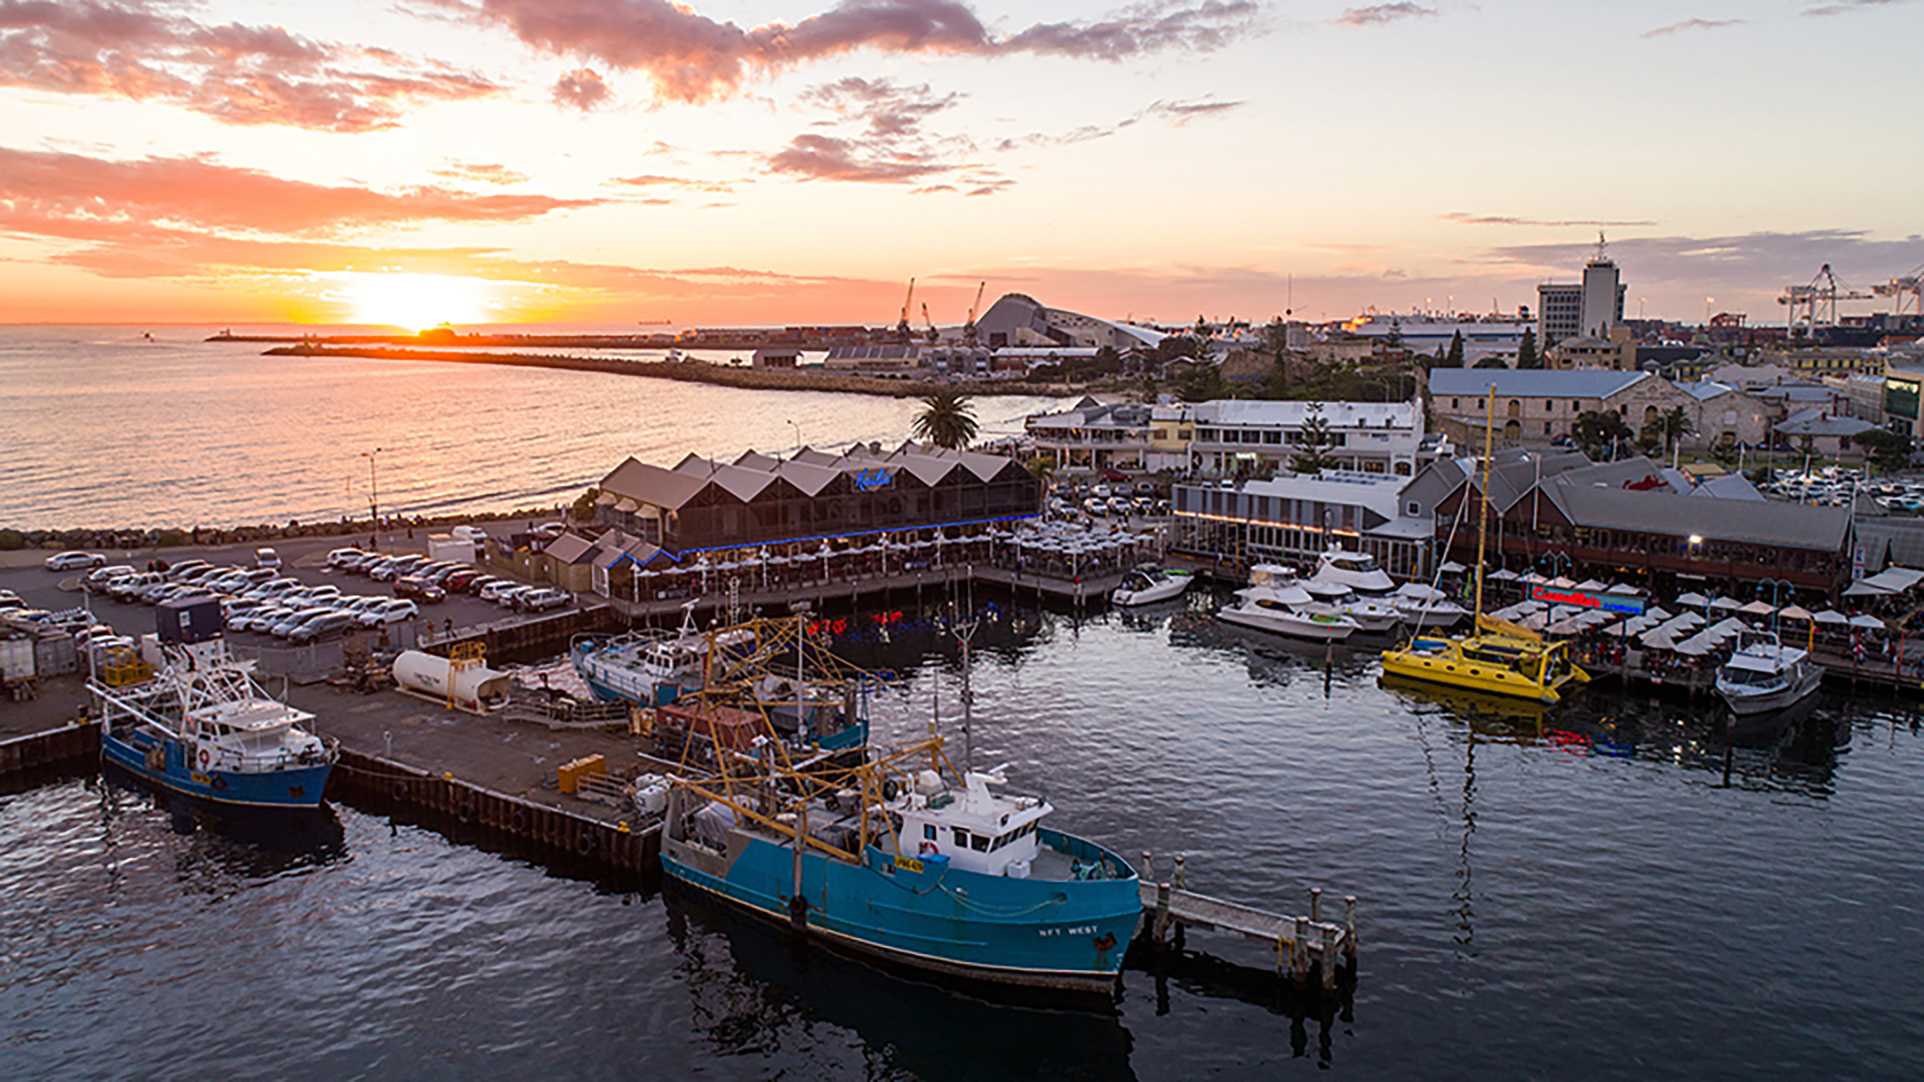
[[1502, 658]]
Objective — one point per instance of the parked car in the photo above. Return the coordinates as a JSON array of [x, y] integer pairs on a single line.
[[124, 587], [75, 561], [185, 568], [261, 619], [505, 598], [332, 623], [392, 611], [457, 582], [542, 599], [340, 558], [479, 583], [493, 590], [471, 533], [268, 558], [99, 577], [419, 588], [298, 617], [1114, 475]]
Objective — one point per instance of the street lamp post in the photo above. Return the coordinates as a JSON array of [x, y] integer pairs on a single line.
[[373, 492], [798, 435]]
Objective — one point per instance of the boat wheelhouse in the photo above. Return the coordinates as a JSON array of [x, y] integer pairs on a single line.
[[1763, 674]]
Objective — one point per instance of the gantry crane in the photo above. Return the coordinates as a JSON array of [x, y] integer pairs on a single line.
[[1909, 285], [933, 335], [1818, 300]]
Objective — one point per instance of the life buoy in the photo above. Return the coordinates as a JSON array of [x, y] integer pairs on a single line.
[[203, 758], [929, 850], [466, 812], [519, 819], [584, 843]]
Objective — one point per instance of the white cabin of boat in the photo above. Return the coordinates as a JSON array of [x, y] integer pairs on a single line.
[[1357, 570], [979, 831]]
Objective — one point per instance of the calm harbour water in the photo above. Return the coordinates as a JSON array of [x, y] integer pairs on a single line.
[[1610, 890], [108, 428], [1599, 892]]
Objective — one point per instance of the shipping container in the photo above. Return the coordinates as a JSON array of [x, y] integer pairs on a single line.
[[16, 659]]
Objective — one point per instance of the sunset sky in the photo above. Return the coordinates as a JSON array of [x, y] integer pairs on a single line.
[[741, 161]]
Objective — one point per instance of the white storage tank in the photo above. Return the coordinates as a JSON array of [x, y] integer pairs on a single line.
[[476, 688]]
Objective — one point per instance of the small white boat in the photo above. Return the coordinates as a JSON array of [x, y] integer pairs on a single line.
[[1764, 674], [1277, 603], [1144, 586]]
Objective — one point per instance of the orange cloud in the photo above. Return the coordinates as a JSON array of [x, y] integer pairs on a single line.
[[691, 58], [238, 74]]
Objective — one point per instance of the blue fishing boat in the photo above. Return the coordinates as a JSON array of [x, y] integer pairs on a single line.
[[200, 723], [654, 666], [917, 867]]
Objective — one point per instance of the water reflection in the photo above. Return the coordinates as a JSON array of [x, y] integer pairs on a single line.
[[227, 846], [779, 984]]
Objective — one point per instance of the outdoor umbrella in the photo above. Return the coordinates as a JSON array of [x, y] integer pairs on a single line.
[[1866, 620], [1832, 616], [1730, 603], [1759, 608], [1693, 598], [1796, 612]]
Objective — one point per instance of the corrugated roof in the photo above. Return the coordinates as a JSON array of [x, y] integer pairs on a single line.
[[570, 549], [1532, 382], [1787, 525], [1256, 412], [652, 484]]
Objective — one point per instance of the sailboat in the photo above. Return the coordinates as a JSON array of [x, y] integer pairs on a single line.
[[1501, 658]]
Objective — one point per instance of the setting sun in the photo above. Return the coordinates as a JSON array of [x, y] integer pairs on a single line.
[[416, 301]]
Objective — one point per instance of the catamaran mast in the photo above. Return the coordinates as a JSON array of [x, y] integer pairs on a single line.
[[1483, 502]]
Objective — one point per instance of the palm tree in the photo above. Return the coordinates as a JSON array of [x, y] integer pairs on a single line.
[[946, 420]]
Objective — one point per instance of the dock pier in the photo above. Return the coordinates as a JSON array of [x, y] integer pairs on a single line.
[[1309, 949]]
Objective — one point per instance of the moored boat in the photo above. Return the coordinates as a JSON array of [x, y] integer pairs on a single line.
[[920, 867], [1145, 586], [202, 725], [1763, 675], [1275, 602], [653, 667]]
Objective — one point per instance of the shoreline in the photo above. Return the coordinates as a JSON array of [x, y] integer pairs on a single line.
[[22, 546], [750, 379]]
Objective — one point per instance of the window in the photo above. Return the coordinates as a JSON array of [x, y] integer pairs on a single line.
[[1575, 406], [1546, 428], [1456, 404], [1415, 509], [928, 831], [961, 837], [979, 842], [1549, 406]]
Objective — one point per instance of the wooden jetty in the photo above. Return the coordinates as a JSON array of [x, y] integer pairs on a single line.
[[1306, 947]]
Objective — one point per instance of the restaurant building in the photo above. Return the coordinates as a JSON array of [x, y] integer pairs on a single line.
[[1295, 518]]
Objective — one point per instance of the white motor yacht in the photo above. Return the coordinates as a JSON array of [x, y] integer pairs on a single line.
[[1357, 570], [1764, 674], [1426, 606], [1275, 602]]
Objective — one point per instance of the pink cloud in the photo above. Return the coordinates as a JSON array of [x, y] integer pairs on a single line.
[[238, 74]]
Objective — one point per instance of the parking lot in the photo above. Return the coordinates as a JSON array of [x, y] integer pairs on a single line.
[[304, 561]]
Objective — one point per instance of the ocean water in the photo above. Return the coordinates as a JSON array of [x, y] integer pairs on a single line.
[[1615, 889], [107, 427]]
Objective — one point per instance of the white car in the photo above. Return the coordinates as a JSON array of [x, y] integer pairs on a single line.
[[493, 590], [392, 611], [543, 599], [98, 578], [75, 561]]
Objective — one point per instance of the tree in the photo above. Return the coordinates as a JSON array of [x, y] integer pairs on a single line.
[[1276, 342], [1313, 443], [1454, 358], [1888, 451], [1490, 360], [584, 505], [1526, 350], [946, 419], [1673, 426], [1600, 433], [1205, 384], [1442, 361], [1395, 340]]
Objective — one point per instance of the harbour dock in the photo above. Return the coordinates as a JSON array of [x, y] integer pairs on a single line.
[[1309, 949]]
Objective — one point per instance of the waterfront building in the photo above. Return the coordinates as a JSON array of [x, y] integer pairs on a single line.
[[1294, 518], [1172, 428], [1814, 431], [1902, 386], [761, 502], [1633, 520], [1589, 351], [1248, 437], [1092, 435]]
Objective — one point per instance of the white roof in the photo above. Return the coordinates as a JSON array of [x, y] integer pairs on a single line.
[[1261, 413]]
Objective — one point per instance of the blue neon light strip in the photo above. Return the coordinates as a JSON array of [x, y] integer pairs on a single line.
[[677, 556]]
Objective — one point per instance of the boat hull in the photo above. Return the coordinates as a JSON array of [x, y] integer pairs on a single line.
[[1161, 591], [162, 762], [925, 915], [1487, 679], [1793, 692], [1294, 626]]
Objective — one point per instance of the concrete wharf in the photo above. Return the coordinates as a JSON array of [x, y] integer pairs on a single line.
[[851, 591]]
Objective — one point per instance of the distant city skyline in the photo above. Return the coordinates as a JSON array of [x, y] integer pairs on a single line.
[[739, 161]]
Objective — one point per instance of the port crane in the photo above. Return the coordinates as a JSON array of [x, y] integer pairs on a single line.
[[1908, 285], [1818, 301], [968, 329], [933, 335], [902, 331]]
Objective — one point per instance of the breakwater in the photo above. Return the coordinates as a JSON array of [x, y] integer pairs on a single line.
[[756, 379]]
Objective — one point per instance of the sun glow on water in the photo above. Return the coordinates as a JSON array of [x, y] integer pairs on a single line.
[[416, 301]]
